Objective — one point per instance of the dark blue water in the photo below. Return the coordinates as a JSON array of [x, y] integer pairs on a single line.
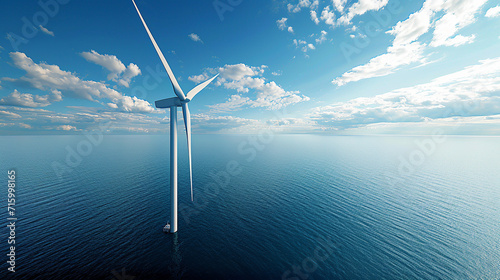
[[320, 207]]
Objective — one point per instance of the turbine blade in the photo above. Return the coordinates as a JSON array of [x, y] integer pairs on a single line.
[[175, 84], [187, 123], [198, 88]]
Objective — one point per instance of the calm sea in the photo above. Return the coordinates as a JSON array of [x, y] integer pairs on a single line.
[[286, 207]]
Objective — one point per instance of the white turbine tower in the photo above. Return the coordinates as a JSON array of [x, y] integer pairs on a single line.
[[180, 101]]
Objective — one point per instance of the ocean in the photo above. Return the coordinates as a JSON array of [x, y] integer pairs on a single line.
[[266, 207]]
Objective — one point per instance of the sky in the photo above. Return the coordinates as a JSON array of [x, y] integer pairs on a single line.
[[359, 67]]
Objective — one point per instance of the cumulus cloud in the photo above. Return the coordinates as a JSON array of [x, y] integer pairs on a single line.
[[299, 42], [66, 127], [50, 77], [243, 79], [198, 78], [360, 8], [473, 91], [195, 37], [304, 45], [339, 5], [322, 37], [328, 16], [446, 17], [129, 73], [239, 71], [46, 31], [493, 12], [118, 72], [282, 25], [29, 100], [314, 17], [296, 8]]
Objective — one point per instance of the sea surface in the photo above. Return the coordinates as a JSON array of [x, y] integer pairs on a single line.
[[266, 207]]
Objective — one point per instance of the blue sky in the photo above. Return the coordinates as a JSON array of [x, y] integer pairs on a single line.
[[333, 66]]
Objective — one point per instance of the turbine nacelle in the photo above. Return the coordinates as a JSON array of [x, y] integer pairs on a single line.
[[170, 102]]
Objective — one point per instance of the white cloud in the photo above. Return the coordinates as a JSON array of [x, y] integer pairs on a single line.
[[129, 73], [360, 8], [27, 126], [9, 114], [459, 13], [314, 17], [118, 72], [299, 42], [339, 5], [133, 105], [235, 102], [29, 100], [66, 127], [46, 31], [299, 6], [385, 64], [470, 96], [274, 97], [238, 71], [322, 37], [328, 16], [225, 124], [314, 5], [282, 25], [446, 16], [243, 79], [110, 62], [456, 14], [416, 25], [473, 91], [50, 77], [198, 78], [493, 12], [195, 37], [245, 84], [86, 118], [308, 47]]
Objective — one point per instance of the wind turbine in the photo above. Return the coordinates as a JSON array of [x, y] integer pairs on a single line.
[[180, 101]]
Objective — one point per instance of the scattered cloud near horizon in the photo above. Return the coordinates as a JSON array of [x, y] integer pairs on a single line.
[[51, 78], [468, 98], [471, 92]]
